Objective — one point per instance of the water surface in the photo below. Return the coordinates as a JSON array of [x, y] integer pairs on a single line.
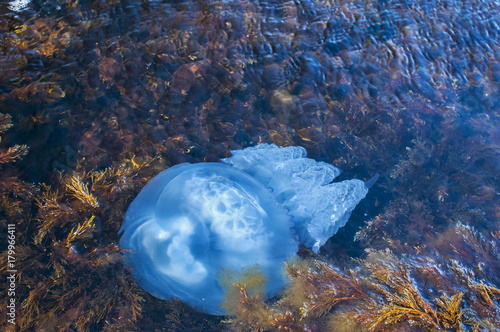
[[407, 89]]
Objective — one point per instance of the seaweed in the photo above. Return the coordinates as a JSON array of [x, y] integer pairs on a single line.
[[73, 277], [244, 299], [382, 293], [15, 194], [320, 287]]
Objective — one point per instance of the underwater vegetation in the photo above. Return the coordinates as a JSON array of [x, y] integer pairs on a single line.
[[381, 292], [71, 275], [106, 94], [15, 194]]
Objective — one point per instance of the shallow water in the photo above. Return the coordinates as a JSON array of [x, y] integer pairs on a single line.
[[407, 89]]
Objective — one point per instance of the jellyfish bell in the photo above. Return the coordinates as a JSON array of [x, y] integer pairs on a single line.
[[192, 221]]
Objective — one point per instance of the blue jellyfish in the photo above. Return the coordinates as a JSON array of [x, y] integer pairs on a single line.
[[192, 221]]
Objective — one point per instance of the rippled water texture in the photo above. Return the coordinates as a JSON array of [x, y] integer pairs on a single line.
[[407, 89], [376, 82]]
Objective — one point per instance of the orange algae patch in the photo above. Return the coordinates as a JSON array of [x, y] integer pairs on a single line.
[[243, 298]]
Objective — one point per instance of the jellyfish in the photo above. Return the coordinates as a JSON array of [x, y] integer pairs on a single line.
[[254, 209]]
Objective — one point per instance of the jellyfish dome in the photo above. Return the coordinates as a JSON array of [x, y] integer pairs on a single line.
[[192, 221]]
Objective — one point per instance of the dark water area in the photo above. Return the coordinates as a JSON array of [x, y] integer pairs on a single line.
[[406, 89]]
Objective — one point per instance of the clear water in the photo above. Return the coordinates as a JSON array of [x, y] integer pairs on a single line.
[[406, 89]]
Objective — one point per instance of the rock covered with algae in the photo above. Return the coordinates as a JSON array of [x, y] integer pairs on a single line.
[[193, 221]]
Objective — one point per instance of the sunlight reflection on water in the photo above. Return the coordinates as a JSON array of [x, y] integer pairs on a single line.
[[18, 5]]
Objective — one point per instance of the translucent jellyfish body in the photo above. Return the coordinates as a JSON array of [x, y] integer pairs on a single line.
[[192, 221]]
